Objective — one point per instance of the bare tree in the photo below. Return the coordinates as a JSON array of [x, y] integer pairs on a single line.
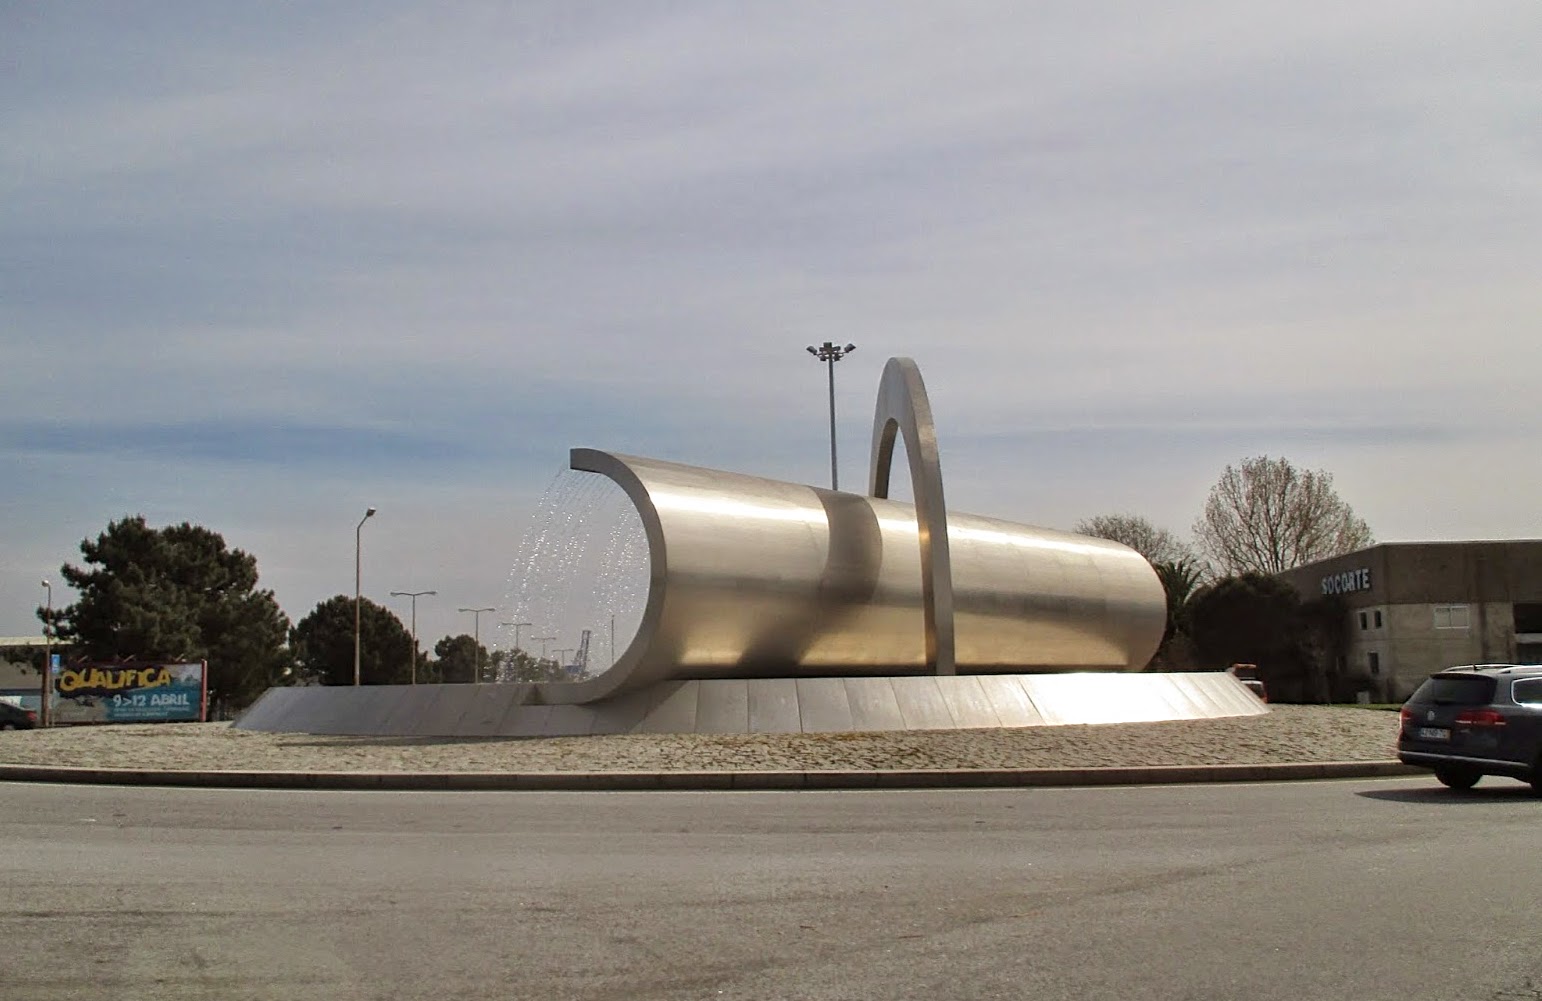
[[1269, 516], [1157, 545]]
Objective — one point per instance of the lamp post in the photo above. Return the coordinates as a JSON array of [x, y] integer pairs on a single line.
[[48, 654], [518, 650], [357, 539], [517, 627], [476, 639], [830, 353], [414, 595], [543, 640], [560, 654]]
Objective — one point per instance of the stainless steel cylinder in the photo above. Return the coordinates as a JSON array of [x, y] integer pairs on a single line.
[[752, 577]]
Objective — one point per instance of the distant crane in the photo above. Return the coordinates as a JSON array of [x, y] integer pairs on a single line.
[[581, 659]]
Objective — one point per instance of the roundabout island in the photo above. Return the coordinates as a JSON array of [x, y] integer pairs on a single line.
[[1286, 742]]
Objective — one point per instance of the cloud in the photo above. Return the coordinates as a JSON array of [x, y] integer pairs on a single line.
[[258, 268]]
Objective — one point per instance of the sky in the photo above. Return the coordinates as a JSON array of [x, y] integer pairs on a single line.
[[263, 266]]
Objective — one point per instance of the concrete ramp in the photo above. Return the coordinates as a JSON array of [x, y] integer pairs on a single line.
[[757, 705]]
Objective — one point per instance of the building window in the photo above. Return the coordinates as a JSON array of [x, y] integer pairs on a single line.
[[1378, 619], [1374, 660], [1528, 616], [1450, 616], [1362, 620]]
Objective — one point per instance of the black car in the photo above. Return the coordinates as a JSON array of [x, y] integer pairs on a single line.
[[1468, 722], [14, 717]]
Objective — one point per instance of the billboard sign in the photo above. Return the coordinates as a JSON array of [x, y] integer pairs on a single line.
[[129, 693]]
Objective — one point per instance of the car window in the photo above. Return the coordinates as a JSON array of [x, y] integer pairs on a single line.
[[1451, 690], [1527, 691]]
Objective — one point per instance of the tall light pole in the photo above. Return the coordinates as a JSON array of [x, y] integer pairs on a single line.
[[414, 595], [543, 640], [476, 638], [48, 654], [830, 353], [517, 627], [518, 650], [357, 539]]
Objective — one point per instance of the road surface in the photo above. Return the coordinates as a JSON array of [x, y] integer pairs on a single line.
[[1389, 889]]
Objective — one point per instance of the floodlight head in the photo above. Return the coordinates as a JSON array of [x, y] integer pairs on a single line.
[[850, 348], [813, 351]]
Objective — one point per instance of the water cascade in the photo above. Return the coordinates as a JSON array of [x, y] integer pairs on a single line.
[[582, 564]]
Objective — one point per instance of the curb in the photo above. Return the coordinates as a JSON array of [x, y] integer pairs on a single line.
[[939, 778]]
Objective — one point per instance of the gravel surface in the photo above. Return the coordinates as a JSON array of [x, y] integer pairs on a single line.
[[1285, 734]]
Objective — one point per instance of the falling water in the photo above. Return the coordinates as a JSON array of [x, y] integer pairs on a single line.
[[583, 564]]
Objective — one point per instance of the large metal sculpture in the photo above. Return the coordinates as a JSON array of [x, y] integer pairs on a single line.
[[775, 606], [903, 408]]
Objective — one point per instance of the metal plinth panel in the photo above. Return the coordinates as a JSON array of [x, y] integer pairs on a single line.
[[969, 705], [1010, 700], [922, 703], [444, 710], [723, 707], [271, 707], [322, 710], [750, 577], [823, 705], [377, 701], [622, 714], [411, 707], [776, 705], [528, 721], [1199, 688], [873, 704], [1094, 698], [673, 709], [490, 709]]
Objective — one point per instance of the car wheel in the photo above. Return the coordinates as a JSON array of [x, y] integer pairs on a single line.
[[1456, 777], [7, 725]]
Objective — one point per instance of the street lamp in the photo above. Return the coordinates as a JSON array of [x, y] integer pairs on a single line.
[[48, 654], [561, 654], [476, 639], [414, 595], [830, 354], [357, 536], [543, 640], [518, 650], [517, 626]]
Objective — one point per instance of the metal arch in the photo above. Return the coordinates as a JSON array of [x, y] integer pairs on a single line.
[[903, 408]]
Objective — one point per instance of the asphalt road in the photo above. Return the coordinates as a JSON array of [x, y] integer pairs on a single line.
[[1351, 889]]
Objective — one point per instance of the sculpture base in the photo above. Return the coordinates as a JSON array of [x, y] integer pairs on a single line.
[[757, 705]]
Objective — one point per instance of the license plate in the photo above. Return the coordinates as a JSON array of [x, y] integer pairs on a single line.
[[1433, 733]]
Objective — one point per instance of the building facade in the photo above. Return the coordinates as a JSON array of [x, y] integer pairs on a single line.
[[1414, 608], [20, 682]]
